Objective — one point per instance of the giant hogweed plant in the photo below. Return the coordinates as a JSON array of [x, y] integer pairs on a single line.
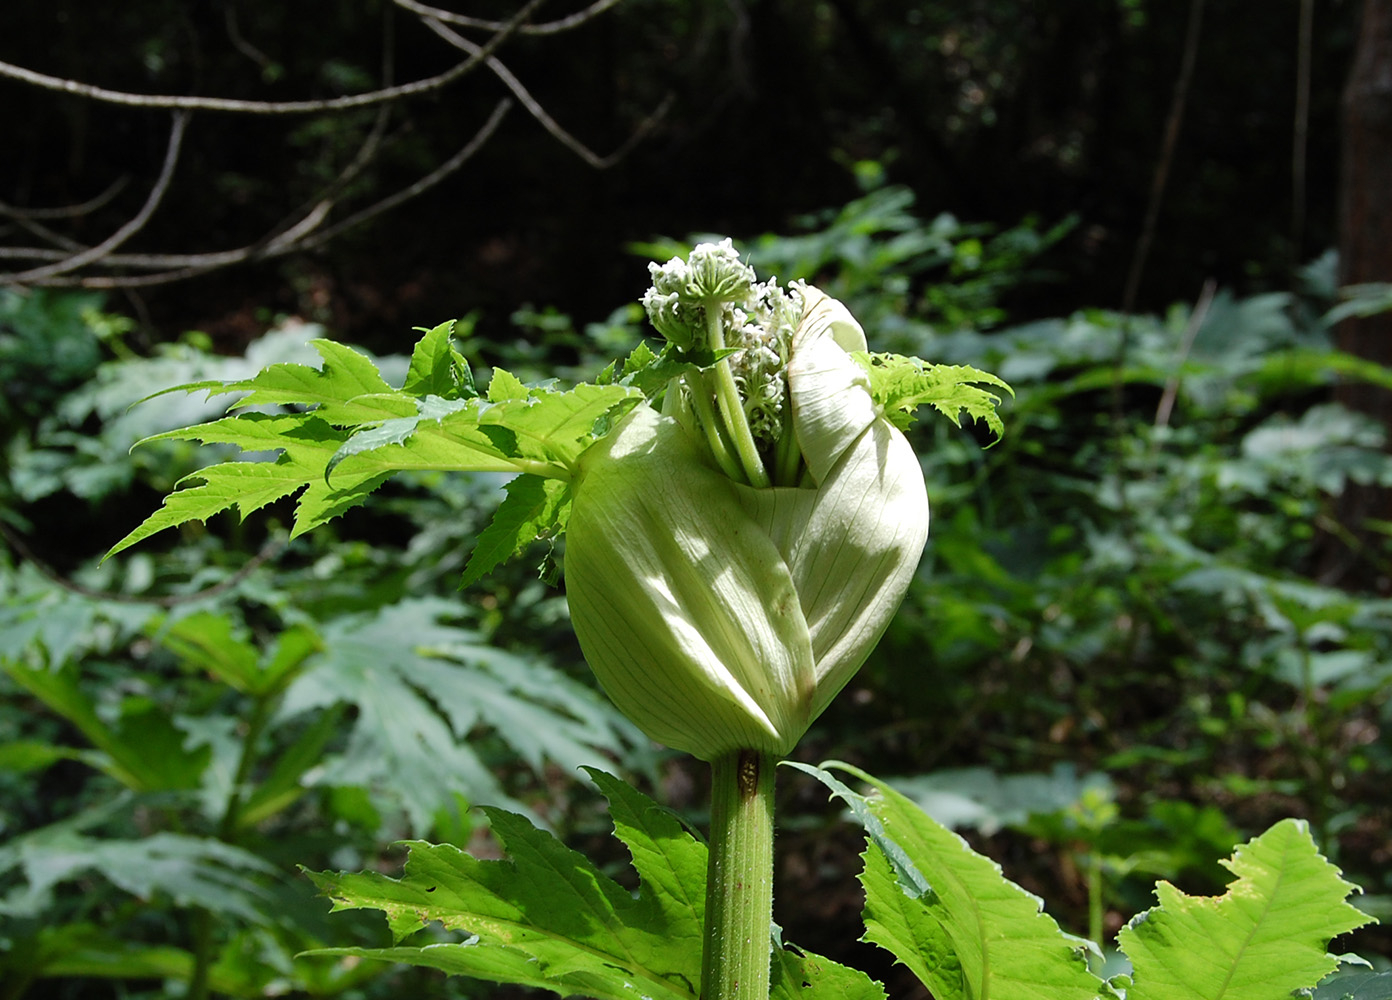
[[742, 515]]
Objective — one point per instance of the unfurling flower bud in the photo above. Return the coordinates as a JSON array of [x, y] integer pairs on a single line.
[[719, 616]]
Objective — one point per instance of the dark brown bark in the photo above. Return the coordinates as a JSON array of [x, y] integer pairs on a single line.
[[1365, 238]]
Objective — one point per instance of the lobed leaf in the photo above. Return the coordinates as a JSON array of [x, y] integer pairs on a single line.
[[533, 508], [1265, 937], [437, 369], [547, 917], [447, 683], [901, 384], [801, 975], [949, 915], [358, 431]]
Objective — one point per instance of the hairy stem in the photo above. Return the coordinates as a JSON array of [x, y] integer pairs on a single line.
[[739, 881]]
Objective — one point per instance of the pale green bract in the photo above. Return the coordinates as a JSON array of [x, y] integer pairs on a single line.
[[742, 511], [720, 616]]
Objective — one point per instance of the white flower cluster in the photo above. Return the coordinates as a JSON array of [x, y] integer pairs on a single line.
[[710, 301], [764, 335], [685, 293]]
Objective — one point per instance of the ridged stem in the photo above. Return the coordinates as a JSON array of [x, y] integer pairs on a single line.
[[739, 882]]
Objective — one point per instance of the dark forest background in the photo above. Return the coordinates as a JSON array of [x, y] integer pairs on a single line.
[[1150, 622], [993, 111]]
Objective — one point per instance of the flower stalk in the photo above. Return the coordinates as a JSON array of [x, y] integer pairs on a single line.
[[739, 882]]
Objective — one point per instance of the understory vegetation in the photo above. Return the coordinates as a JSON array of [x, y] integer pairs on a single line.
[[1141, 633]]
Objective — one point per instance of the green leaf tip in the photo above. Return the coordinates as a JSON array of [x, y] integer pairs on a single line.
[[975, 934], [533, 509], [901, 384], [1266, 936], [547, 918]]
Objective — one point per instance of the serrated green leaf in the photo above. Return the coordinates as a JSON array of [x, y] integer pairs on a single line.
[[543, 433], [1265, 937], [503, 385], [417, 749], [206, 641], [362, 431], [437, 369], [801, 975], [142, 747], [975, 934], [669, 860], [533, 508], [546, 917], [307, 444], [344, 375], [901, 384], [193, 871]]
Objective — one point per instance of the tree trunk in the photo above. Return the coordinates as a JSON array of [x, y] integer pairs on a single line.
[[1365, 255]]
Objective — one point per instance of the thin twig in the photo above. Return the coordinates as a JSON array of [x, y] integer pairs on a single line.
[[191, 103], [545, 28], [419, 187], [35, 228], [1300, 139], [539, 113], [296, 225], [1167, 152], [1191, 331], [66, 211], [239, 42], [191, 265], [125, 232]]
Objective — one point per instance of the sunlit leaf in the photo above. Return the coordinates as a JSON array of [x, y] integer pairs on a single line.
[[1266, 936], [949, 915]]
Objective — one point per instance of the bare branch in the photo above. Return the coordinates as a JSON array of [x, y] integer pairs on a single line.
[[239, 42], [44, 233], [125, 232], [537, 111], [176, 267], [64, 262], [545, 28], [421, 186], [293, 227], [66, 211], [191, 103]]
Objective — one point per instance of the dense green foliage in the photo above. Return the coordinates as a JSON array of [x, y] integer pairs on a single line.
[[1119, 616]]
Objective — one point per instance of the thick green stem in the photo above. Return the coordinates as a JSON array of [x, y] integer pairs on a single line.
[[739, 881]]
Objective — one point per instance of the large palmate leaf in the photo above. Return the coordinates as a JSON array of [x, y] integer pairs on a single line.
[[547, 918], [418, 749], [1265, 937], [949, 915], [192, 871]]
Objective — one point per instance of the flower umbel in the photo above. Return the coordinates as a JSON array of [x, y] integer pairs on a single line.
[[733, 559]]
